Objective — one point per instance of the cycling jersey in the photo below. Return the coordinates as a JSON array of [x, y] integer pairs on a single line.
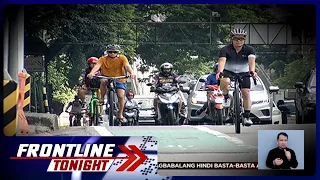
[[237, 62]]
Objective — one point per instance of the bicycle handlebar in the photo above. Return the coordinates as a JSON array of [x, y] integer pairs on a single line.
[[106, 77], [238, 76]]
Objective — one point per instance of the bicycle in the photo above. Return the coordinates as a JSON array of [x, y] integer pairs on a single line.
[[236, 109], [111, 95], [94, 105]]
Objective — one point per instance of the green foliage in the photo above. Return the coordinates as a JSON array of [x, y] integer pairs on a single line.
[[93, 24], [58, 70], [295, 71]]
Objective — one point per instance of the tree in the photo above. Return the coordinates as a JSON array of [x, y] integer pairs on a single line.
[[295, 70]]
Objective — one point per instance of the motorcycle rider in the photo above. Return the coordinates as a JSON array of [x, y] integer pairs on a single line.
[[76, 108], [166, 77], [237, 58], [130, 101], [211, 80]]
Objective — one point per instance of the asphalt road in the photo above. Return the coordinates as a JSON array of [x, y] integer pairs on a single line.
[[196, 143]]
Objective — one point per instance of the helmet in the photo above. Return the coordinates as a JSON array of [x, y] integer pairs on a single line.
[[113, 47], [238, 32], [92, 60], [130, 94], [166, 65], [215, 67]]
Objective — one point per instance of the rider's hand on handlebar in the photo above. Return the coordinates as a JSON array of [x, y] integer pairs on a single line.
[[253, 73], [218, 75], [90, 75], [132, 76]]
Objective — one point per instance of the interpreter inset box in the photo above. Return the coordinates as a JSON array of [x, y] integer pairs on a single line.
[[281, 149]]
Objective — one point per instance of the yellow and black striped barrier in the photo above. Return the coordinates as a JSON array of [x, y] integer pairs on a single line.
[[10, 107], [45, 100], [27, 94]]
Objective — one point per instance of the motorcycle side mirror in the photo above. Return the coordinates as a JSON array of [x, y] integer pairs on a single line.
[[139, 102], [186, 90], [273, 89], [149, 84], [202, 80]]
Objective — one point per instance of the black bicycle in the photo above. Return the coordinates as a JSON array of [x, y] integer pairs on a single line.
[[236, 109], [111, 89]]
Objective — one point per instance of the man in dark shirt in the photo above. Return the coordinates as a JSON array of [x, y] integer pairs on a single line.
[[282, 157]]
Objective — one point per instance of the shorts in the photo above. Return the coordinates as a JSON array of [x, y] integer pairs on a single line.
[[246, 83], [121, 85]]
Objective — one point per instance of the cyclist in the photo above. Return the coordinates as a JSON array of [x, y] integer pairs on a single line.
[[76, 108], [237, 58], [87, 82], [166, 77], [113, 64], [211, 80]]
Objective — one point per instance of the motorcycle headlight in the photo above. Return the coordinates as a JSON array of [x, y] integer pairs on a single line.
[[276, 112]]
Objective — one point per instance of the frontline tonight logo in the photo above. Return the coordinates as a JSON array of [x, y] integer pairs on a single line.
[[69, 157]]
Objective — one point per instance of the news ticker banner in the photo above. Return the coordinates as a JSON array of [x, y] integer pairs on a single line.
[[86, 157], [207, 165]]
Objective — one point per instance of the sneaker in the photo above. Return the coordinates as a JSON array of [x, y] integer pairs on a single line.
[[247, 122]]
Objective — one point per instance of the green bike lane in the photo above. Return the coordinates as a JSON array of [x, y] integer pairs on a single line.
[[184, 139]]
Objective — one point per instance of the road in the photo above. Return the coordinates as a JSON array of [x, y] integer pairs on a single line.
[[195, 143]]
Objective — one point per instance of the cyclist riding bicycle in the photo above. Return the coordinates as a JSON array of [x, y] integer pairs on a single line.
[[166, 77], [237, 58], [113, 64], [87, 82], [211, 80], [76, 108]]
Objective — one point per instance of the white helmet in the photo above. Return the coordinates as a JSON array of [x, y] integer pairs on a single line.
[[238, 32], [166, 65]]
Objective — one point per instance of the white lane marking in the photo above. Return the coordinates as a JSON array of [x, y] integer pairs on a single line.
[[234, 140], [103, 131]]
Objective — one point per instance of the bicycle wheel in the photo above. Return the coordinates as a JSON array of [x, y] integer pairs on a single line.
[[111, 108], [237, 109], [96, 114]]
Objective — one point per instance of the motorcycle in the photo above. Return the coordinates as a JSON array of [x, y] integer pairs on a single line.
[[131, 113], [215, 101], [168, 101]]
